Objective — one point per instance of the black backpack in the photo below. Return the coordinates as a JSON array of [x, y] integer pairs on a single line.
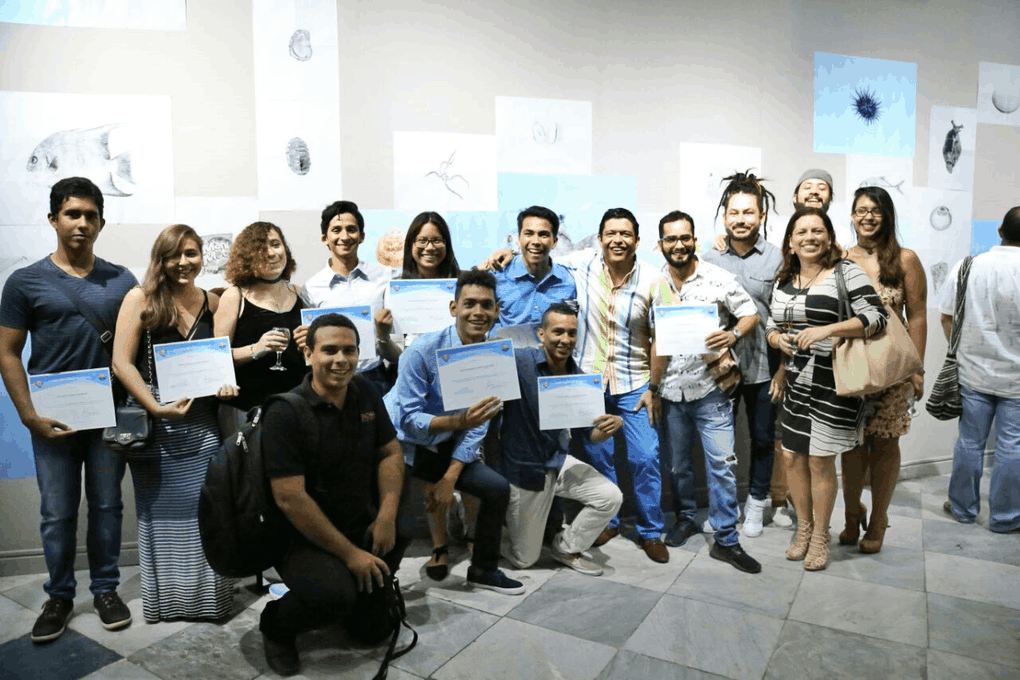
[[243, 532], [377, 616]]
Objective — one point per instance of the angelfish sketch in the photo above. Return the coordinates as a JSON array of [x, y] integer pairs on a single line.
[[938, 274], [444, 174], [298, 158], [301, 45], [952, 148], [545, 134], [941, 218], [83, 153], [884, 183]]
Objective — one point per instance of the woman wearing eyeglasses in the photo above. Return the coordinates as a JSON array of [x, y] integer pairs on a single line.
[[899, 279]]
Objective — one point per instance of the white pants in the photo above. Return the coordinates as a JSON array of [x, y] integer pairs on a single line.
[[528, 511]]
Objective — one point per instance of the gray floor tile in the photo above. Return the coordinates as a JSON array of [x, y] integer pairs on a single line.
[[126, 641], [865, 608], [971, 540], [623, 561], [931, 509], [906, 502], [443, 630], [29, 593], [945, 666], [629, 666], [454, 588], [769, 592], [721, 640], [514, 649], [973, 579], [904, 532], [17, 620], [892, 566], [976, 630], [587, 607], [8, 582], [816, 652], [122, 670]]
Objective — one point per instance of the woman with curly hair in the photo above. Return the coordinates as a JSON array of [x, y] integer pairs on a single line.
[[818, 423], [177, 582], [254, 312], [898, 276]]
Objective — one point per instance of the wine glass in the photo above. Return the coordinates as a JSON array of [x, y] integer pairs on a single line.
[[279, 353]]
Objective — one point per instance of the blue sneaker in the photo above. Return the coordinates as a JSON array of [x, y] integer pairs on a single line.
[[494, 580]]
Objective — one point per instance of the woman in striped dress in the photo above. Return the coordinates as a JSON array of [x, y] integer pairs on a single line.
[[818, 424], [177, 582]]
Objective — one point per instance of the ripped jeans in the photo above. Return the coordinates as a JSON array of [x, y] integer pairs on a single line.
[[711, 419]]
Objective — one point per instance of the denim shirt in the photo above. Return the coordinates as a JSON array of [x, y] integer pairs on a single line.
[[523, 299]]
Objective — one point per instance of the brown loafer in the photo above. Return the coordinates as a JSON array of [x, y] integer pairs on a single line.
[[655, 549], [608, 534]]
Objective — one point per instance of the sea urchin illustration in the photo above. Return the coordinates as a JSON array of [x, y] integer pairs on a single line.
[[867, 105]]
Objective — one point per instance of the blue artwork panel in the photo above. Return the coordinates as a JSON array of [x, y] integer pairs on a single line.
[[864, 106], [983, 235], [16, 459], [476, 234]]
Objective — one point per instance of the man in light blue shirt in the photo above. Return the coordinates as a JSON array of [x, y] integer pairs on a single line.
[[533, 281], [444, 447]]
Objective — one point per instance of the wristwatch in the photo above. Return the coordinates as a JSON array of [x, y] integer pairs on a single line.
[[736, 332], [653, 388]]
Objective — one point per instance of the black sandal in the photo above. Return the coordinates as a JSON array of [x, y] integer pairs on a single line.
[[439, 571]]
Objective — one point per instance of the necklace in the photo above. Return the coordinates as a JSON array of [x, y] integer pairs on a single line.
[[788, 311]]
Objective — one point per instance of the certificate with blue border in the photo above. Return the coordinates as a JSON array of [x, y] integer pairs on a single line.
[[420, 305], [193, 368], [471, 373], [82, 400], [682, 329], [566, 401], [361, 315]]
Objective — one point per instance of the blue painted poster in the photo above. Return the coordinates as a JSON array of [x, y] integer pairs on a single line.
[[984, 235]]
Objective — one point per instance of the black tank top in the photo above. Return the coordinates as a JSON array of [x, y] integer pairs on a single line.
[[254, 377]]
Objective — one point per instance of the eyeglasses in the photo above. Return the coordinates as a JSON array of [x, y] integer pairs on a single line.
[[425, 242], [671, 241], [864, 212]]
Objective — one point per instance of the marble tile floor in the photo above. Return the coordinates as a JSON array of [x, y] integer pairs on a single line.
[[942, 600]]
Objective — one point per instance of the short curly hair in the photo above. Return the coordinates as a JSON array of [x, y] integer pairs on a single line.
[[248, 254]]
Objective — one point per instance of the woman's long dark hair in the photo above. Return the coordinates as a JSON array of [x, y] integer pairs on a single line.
[[791, 263], [448, 268], [159, 310], [887, 246]]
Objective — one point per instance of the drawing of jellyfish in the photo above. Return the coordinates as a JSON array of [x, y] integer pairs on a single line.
[[83, 153], [546, 135], [444, 174], [1006, 102], [938, 274], [215, 253], [866, 105], [884, 183], [298, 158], [941, 218], [301, 45], [952, 148]]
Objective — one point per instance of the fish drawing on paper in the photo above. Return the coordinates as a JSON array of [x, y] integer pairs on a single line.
[[884, 183], [83, 153], [545, 134], [941, 218], [301, 45], [298, 158], [938, 274], [449, 181], [952, 148]]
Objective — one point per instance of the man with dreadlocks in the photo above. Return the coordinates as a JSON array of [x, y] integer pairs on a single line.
[[754, 261]]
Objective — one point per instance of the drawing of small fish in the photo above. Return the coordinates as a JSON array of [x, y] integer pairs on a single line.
[[952, 148], [884, 183], [83, 153]]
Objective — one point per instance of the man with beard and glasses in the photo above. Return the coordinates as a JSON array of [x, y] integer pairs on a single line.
[[692, 403]]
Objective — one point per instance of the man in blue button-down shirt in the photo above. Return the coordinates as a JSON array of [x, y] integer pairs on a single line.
[[429, 433]]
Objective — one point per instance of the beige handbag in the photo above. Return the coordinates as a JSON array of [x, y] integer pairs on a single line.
[[865, 366]]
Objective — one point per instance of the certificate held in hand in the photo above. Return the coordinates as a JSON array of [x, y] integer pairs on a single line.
[[682, 329], [82, 400], [420, 305], [471, 373], [194, 368], [567, 401]]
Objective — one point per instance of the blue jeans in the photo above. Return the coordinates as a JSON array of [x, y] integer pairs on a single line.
[[975, 426], [58, 464], [711, 419], [761, 420], [642, 457]]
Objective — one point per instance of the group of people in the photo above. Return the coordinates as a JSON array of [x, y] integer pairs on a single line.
[[340, 464]]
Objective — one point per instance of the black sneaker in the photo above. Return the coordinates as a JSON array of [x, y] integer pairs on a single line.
[[282, 657], [680, 533], [52, 623], [736, 556], [112, 611], [494, 580]]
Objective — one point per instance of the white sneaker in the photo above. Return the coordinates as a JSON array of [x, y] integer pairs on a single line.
[[455, 525], [753, 512], [577, 561], [784, 517]]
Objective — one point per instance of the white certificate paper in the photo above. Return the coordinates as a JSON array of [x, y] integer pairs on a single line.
[[421, 305], [82, 400], [194, 368], [471, 373], [566, 401], [524, 335], [682, 329], [361, 315]]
